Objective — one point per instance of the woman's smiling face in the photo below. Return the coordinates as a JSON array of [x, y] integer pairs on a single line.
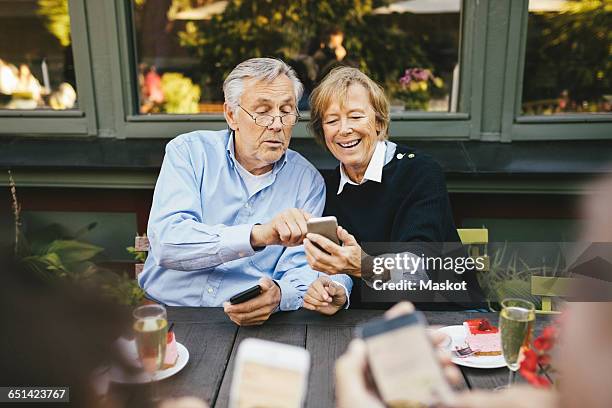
[[350, 130]]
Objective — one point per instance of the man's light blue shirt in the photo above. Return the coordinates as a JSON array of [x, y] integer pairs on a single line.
[[201, 220]]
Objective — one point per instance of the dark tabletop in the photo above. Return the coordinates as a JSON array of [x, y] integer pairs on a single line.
[[212, 340]]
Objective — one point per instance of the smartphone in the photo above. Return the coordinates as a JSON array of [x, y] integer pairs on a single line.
[[326, 226], [245, 295], [403, 362], [269, 374]]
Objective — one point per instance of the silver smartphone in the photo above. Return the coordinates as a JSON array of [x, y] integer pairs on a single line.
[[403, 362], [326, 226]]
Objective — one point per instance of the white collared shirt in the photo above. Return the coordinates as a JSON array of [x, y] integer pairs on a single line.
[[383, 154]]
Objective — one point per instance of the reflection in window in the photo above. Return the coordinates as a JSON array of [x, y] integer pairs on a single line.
[[185, 48], [36, 65], [568, 63]]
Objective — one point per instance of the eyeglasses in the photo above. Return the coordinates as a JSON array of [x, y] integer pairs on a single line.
[[288, 119]]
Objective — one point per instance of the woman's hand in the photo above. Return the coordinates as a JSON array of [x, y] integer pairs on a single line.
[[325, 296], [334, 259]]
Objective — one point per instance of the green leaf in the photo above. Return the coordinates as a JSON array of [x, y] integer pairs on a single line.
[[73, 251], [516, 288]]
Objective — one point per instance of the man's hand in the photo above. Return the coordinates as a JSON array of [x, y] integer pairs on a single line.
[[334, 259], [325, 296], [257, 310], [288, 228]]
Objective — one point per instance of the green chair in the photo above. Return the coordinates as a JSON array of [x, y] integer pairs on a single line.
[[549, 287], [476, 240]]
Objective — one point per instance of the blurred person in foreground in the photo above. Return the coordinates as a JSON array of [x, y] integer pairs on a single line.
[[58, 334], [380, 192], [583, 359], [230, 207]]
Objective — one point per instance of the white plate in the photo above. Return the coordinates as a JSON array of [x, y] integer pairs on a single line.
[[457, 336], [119, 375]]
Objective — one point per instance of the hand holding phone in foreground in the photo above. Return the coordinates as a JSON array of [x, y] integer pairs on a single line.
[[325, 296], [354, 385], [517, 396], [257, 310]]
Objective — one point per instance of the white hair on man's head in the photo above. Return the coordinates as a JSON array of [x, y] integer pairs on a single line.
[[266, 69]]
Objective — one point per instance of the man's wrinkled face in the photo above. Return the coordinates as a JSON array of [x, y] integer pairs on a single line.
[[258, 148]]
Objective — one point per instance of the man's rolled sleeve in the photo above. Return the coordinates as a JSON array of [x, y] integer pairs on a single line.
[[291, 298], [236, 242], [347, 284]]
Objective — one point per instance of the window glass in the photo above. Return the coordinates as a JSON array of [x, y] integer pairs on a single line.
[[185, 48], [36, 65], [568, 62]]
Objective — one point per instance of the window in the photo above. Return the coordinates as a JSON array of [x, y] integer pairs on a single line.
[[568, 62], [36, 62], [185, 48]]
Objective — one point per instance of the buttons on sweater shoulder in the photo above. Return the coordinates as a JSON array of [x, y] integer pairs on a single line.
[[400, 156]]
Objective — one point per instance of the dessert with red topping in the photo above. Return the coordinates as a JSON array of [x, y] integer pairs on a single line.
[[171, 351], [482, 337]]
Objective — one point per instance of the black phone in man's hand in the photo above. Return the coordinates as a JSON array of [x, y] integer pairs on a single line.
[[248, 294]]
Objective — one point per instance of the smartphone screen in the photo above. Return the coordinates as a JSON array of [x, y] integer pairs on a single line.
[[403, 362], [269, 374]]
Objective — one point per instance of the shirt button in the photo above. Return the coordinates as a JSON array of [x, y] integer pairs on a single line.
[[241, 254], [247, 205], [210, 290]]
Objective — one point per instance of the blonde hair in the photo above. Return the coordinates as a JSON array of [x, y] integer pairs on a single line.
[[335, 87]]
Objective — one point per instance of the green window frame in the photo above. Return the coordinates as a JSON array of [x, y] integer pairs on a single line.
[[434, 125], [540, 127], [493, 35], [81, 122]]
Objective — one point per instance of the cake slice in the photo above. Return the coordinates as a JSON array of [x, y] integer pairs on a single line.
[[171, 351], [482, 337]]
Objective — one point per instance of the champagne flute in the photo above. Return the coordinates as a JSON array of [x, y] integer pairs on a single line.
[[150, 329], [516, 321]]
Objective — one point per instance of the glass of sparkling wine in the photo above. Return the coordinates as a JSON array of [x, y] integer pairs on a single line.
[[150, 328], [516, 321]]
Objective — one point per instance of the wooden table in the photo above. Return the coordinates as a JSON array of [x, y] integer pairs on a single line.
[[212, 340]]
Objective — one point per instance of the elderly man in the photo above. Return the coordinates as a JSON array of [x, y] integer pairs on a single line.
[[230, 207]]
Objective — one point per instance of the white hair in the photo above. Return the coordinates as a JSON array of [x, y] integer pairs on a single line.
[[266, 69]]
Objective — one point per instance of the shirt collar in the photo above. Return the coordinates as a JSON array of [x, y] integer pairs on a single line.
[[231, 153], [373, 171]]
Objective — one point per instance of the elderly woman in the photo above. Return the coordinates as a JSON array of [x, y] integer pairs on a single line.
[[380, 192]]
